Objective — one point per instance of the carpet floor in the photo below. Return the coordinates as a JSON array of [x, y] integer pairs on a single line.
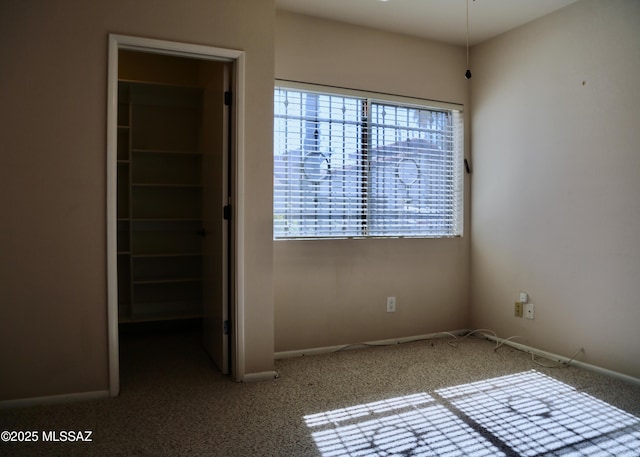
[[425, 398]]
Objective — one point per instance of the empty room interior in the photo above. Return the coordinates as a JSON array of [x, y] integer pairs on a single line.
[[320, 228]]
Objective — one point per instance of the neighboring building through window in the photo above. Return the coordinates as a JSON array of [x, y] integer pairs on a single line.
[[352, 165]]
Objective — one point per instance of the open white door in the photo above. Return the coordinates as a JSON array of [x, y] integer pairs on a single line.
[[215, 197]]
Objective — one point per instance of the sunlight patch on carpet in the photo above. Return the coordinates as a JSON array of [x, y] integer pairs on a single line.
[[526, 414]]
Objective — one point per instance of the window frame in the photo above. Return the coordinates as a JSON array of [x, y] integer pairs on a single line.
[[369, 98]]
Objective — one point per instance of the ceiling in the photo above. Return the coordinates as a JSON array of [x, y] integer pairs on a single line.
[[440, 20]]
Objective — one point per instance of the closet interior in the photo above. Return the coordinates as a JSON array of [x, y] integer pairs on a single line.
[[163, 185]]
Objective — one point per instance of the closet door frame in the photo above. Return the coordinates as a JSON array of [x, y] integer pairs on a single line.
[[237, 58]]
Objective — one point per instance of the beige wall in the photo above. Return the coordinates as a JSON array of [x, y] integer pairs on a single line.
[[334, 292], [556, 187], [53, 88]]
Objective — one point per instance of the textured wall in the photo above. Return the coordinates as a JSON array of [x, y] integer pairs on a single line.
[[53, 87], [334, 292], [556, 211]]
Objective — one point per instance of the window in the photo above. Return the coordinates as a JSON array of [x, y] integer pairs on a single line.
[[348, 165]]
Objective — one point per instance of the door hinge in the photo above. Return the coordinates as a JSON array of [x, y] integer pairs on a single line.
[[226, 212], [226, 327], [228, 98]]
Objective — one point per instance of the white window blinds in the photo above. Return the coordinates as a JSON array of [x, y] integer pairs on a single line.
[[351, 166]]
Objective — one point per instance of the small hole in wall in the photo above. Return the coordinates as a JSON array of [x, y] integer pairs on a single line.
[[584, 82]]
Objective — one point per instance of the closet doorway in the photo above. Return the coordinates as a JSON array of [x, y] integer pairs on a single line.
[[172, 153]]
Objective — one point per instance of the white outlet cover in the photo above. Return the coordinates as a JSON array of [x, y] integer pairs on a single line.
[[529, 310], [524, 297], [391, 304]]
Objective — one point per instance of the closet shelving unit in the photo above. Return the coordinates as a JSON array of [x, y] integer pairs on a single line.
[[159, 202]]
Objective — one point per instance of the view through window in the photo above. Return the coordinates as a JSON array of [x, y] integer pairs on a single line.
[[354, 166]]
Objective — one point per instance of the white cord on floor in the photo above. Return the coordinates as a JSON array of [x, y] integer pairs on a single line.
[[454, 342], [560, 364], [499, 344], [456, 339]]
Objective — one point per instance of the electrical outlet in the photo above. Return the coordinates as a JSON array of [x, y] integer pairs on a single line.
[[529, 310], [524, 297], [391, 304], [517, 310]]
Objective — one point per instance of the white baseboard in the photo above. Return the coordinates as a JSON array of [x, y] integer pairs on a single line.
[[559, 358], [389, 342], [53, 399], [261, 376]]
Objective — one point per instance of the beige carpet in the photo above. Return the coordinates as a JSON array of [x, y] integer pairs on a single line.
[[424, 398]]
